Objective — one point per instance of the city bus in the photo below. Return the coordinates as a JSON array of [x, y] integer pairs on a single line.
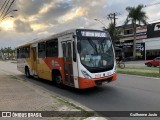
[[80, 58]]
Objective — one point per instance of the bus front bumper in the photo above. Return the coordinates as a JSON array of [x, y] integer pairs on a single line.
[[89, 83]]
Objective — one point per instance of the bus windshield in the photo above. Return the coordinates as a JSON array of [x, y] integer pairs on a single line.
[[97, 53]]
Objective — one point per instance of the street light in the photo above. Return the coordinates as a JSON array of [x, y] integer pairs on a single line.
[[101, 23]]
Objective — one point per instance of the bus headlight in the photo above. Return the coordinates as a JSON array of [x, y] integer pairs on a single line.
[[86, 75]]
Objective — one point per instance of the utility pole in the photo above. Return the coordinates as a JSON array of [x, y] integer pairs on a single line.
[[112, 16]]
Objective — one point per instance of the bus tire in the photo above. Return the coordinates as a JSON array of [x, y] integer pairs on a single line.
[[27, 72], [57, 79]]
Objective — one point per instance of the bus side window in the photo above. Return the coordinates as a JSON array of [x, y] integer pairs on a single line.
[[52, 48], [27, 51], [22, 53], [18, 50], [41, 50], [74, 52]]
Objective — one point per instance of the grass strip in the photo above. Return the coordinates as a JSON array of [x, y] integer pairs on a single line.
[[148, 74], [148, 68]]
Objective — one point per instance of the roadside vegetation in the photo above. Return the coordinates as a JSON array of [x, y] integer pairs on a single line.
[[142, 71], [8, 53], [148, 74], [144, 68]]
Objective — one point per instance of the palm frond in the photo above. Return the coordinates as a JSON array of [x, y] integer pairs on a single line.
[[126, 21], [129, 8], [144, 21], [136, 14]]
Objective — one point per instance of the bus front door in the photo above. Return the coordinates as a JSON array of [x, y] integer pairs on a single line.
[[34, 60], [68, 67]]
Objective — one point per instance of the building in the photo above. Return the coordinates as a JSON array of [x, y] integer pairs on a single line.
[[147, 41], [152, 42], [126, 40]]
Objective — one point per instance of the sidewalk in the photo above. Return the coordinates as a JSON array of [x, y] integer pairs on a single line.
[[19, 95]]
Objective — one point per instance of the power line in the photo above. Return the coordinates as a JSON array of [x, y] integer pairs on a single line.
[[149, 5], [4, 8], [112, 16], [8, 9], [3, 4]]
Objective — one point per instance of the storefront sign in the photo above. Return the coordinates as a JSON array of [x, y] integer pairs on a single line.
[[153, 30], [140, 50], [141, 32]]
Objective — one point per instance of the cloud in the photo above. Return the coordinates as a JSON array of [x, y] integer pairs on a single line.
[[57, 10], [43, 17], [22, 27], [73, 14], [30, 7]]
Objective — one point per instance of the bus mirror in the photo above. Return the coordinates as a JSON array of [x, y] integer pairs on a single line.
[[79, 47]]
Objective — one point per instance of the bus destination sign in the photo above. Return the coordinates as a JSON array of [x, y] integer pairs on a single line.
[[93, 34]]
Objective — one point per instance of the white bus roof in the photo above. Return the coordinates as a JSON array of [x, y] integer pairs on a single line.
[[52, 36]]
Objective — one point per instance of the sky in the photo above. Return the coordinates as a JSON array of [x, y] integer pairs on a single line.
[[41, 18]]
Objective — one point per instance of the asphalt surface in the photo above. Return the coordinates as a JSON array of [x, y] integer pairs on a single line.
[[128, 93]]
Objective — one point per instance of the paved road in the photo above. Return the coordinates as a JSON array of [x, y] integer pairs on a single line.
[[128, 93]]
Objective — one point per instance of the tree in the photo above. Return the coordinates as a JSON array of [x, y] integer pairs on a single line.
[[135, 14], [114, 33], [8, 50]]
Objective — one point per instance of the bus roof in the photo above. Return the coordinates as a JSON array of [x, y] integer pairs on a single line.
[[52, 36]]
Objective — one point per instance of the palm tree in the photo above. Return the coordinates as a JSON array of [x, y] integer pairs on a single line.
[[135, 14]]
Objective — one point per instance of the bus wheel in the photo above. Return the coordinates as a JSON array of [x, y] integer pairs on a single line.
[[58, 80], [27, 72]]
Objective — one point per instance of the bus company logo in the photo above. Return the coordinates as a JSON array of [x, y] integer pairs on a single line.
[[6, 114], [157, 27]]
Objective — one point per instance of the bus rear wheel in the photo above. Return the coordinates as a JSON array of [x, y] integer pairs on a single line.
[[27, 72]]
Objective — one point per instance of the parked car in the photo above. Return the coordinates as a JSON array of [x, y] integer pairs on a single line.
[[155, 62]]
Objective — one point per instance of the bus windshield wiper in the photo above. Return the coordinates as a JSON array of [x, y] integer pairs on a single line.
[[92, 44]]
